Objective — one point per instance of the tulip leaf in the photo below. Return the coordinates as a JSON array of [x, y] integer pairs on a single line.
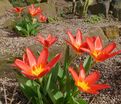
[[75, 100], [66, 60], [60, 72], [87, 63], [30, 89], [49, 81], [58, 95]]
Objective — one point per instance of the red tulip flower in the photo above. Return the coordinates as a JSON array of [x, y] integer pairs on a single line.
[[87, 84], [18, 10], [48, 41], [42, 18], [36, 68], [76, 42], [34, 11], [97, 51]]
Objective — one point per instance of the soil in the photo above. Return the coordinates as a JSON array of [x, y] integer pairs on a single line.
[[12, 44]]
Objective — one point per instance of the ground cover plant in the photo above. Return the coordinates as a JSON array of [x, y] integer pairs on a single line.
[[45, 84]]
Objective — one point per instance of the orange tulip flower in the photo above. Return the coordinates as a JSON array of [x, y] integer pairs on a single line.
[[87, 84], [36, 68], [76, 42], [48, 41], [97, 51], [42, 18], [18, 10], [34, 11]]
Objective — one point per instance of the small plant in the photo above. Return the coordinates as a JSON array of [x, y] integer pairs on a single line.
[[27, 24], [18, 3], [44, 81], [94, 18]]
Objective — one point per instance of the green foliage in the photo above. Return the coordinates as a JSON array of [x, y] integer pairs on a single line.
[[94, 18], [87, 63], [26, 26], [52, 19]]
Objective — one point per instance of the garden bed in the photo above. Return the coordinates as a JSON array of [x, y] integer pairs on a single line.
[[12, 45]]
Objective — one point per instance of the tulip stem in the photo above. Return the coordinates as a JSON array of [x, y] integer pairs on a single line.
[[75, 93], [94, 62]]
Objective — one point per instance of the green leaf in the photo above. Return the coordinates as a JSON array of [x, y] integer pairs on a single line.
[[18, 28], [87, 63], [81, 101], [49, 82], [58, 95], [74, 100], [66, 60], [60, 72]]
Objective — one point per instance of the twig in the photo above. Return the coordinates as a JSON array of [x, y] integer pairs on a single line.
[[19, 102], [29, 101], [93, 98], [5, 94], [12, 99]]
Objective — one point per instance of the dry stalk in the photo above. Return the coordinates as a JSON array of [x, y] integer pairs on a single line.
[[14, 93], [5, 93]]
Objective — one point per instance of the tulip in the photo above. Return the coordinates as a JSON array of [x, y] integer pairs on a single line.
[[42, 18], [76, 42], [36, 68], [34, 11], [97, 51], [87, 84], [48, 41], [18, 10]]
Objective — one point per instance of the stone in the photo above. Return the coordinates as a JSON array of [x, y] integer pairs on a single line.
[[111, 32], [95, 6], [49, 9], [97, 31], [4, 6], [116, 8], [6, 17]]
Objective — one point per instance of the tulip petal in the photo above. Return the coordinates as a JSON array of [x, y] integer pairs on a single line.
[[85, 50], [54, 61], [78, 37], [71, 36], [98, 43], [90, 44], [114, 53], [31, 58], [92, 78], [40, 39], [28, 75], [25, 59], [42, 59], [105, 56], [74, 74], [99, 86], [49, 37], [92, 91], [109, 48], [22, 66], [72, 45], [82, 73], [43, 73], [101, 57]]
